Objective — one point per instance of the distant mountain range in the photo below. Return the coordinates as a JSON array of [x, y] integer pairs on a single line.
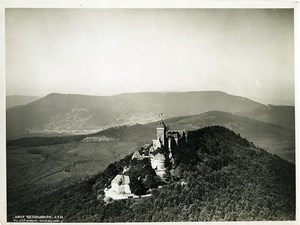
[[19, 100], [74, 114], [270, 127]]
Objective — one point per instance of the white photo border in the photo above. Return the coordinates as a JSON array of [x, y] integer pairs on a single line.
[[165, 4]]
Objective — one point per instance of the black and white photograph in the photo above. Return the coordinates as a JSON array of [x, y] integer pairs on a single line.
[[150, 115]]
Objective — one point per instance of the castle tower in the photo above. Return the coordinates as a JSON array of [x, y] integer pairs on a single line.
[[161, 133]]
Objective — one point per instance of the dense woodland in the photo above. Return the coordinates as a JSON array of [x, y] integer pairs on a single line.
[[217, 176]]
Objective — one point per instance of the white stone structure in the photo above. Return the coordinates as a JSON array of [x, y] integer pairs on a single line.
[[119, 188], [120, 184], [158, 164], [156, 144]]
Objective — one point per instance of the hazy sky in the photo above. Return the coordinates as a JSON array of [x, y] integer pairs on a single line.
[[109, 51]]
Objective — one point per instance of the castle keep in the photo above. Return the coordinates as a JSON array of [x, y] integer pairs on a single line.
[[163, 146]]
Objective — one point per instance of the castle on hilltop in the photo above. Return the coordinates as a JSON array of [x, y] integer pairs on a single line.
[[161, 148], [159, 152]]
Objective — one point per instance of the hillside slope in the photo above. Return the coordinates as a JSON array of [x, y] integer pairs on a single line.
[[279, 115], [73, 114], [275, 139], [219, 177]]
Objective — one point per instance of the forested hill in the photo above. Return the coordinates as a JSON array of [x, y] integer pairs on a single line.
[[218, 176]]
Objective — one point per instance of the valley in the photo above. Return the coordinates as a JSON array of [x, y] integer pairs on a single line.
[[27, 165]]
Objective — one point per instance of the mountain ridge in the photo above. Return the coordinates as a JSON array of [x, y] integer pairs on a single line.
[[68, 113], [274, 138]]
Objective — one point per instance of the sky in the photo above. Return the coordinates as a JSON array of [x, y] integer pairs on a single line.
[[245, 52]]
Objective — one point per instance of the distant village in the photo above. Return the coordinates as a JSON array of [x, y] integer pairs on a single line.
[[160, 150]]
